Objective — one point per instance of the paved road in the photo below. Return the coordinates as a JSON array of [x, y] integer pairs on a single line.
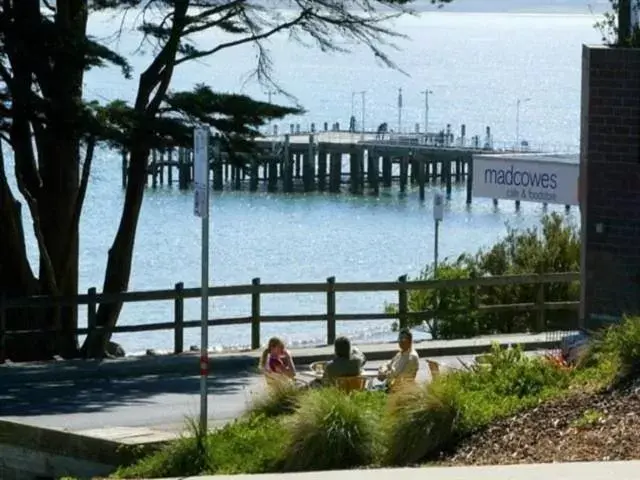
[[157, 402]]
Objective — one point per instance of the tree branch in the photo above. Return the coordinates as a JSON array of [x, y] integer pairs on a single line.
[[253, 38]]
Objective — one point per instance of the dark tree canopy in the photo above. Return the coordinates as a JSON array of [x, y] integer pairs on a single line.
[[52, 131]]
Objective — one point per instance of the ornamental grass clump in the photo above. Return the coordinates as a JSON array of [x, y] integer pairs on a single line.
[[280, 398], [420, 421], [330, 430]]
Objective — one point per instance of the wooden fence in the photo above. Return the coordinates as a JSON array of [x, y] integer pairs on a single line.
[[256, 289]]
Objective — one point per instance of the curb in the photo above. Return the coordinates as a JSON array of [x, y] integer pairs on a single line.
[[188, 363]]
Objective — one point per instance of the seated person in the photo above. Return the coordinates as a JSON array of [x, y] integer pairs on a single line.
[[404, 365], [348, 361], [277, 360]]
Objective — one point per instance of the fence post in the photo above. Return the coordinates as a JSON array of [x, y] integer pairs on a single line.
[[91, 310], [540, 320], [331, 310], [3, 327], [255, 314], [178, 319], [402, 301]]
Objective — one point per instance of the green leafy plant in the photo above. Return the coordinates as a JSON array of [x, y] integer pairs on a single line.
[[589, 418], [615, 350], [454, 312], [609, 29], [187, 455]]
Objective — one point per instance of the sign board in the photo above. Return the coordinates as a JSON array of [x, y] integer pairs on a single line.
[[200, 201], [201, 172], [201, 156], [438, 207], [540, 178]]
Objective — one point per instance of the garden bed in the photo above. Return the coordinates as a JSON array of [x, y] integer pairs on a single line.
[[584, 427], [514, 409]]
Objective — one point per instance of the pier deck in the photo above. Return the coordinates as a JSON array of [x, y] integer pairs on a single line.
[[327, 161]]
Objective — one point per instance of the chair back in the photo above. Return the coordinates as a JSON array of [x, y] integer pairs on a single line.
[[276, 379], [434, 368], [350, 384], [400, 383]]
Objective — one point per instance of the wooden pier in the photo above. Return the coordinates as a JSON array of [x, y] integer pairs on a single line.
[[329, 161]]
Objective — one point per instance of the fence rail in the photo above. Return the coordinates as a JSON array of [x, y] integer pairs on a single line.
[[92, 299]]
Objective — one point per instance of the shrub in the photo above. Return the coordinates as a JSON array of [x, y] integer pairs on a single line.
[[330, 431], [614, 352], [182, 457], [251, 444], [279, 399], [420, 421], [555, 247], [424, 421]]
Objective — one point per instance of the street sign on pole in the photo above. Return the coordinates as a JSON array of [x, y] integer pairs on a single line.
[[201, 209]]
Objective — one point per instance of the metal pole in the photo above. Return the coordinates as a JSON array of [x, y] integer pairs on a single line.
[[399, 111], [435, 250], [353, 104], [426, 111], [518, 104], [204, 305], [517, 123], [363, 93]]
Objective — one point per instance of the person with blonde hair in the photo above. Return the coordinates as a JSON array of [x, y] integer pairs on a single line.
[[275, 359]]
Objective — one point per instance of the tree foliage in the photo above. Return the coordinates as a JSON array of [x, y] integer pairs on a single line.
[[610, 24], [52, 131], [454, 312]]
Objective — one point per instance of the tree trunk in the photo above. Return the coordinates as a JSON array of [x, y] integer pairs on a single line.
[[47, 158], [120, 257]]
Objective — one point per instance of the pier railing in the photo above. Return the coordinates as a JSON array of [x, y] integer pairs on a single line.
[[92, 299]]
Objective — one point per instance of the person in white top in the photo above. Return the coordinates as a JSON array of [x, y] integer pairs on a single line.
[[404, 365]]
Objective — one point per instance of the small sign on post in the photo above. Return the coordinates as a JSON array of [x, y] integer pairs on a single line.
[[438, 207], [201, 209]]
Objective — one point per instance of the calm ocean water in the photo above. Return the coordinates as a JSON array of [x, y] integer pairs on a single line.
[[476, 64]]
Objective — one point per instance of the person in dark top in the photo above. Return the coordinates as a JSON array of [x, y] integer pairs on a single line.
[[348, 361]]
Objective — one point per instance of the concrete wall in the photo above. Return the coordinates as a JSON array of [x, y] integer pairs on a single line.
[[610, 183], [28, 452]]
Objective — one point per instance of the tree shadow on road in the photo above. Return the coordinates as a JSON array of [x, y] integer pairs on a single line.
[[98, 394]]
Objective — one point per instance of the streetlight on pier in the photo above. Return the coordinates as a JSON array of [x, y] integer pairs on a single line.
[[426, 111], [353, 103], [399, 111], [363, 94], [518, 103], [269, 94]]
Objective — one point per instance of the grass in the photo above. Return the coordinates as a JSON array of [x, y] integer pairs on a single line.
[[293, 430]]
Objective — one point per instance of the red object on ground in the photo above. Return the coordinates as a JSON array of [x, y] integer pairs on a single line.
[[204, 365]]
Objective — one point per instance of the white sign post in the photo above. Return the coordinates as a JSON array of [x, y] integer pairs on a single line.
[[438, 215], [201, 209]]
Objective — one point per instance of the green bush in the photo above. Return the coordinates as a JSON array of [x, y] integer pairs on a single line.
[[182, 457], [424, 421], [329, 431], [553, 248], [615, 350]]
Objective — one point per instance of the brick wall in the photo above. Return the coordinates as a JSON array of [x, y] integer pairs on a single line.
[[610, 184]]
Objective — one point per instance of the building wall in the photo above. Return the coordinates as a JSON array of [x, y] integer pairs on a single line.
[[610, 184]]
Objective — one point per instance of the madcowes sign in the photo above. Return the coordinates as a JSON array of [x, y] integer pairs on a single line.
[[527, 177]]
